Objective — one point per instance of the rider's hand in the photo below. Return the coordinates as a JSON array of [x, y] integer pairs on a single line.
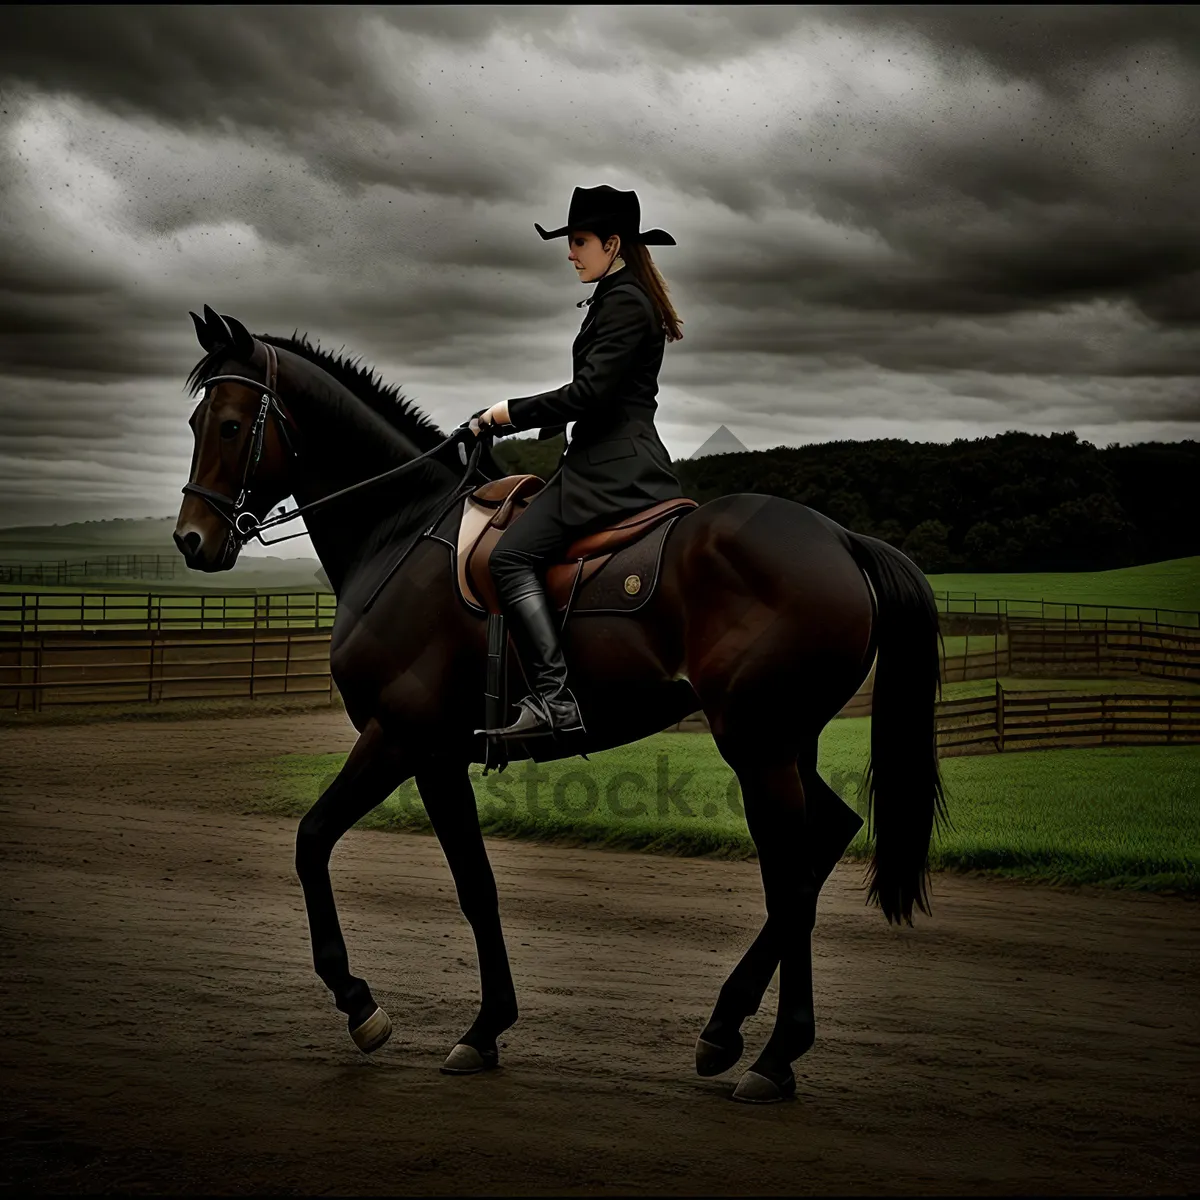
[[496, 415]]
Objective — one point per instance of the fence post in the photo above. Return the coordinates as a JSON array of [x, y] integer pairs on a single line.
[[254, 648], [999, 718], [37, 672], [287, 660]]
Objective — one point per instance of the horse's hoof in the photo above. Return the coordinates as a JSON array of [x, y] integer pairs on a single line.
[[373, 1032], [754, 1088], [466, 1060], [712, 1059]]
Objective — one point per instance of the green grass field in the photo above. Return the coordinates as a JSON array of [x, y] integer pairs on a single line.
[[1114, 816], [1173, 584]]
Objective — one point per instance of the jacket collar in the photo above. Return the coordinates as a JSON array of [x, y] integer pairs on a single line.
[[607, 284]]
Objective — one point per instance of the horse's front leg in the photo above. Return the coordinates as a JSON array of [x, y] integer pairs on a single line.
[[449, 799], [374, 769]]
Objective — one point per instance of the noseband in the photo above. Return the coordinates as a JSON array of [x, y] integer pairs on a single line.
[[233, 511]]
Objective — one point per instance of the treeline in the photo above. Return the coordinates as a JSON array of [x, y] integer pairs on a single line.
[[1017, 502]]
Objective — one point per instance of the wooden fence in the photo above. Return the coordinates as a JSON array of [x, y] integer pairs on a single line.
[[32, 613], [95, 648], [50, 670], [115, 664], [1102, 648], [951, 604], [1034, 720], [106, 566], [1006, 720]]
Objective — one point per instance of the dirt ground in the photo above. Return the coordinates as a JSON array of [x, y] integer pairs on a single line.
[[164, 1031]]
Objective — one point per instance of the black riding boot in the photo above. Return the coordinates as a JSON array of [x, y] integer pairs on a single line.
[[551, 709]]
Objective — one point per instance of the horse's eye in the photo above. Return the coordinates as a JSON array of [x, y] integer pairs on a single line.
[[229, 429]]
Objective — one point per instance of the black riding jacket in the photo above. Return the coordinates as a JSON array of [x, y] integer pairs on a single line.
[[615, 461]]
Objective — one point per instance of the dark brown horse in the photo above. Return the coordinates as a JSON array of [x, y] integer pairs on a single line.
[[766, 615]]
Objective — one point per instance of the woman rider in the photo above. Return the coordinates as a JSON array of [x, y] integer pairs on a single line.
[[614, 463]]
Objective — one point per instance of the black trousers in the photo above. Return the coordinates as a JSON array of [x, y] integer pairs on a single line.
[[535, 542]]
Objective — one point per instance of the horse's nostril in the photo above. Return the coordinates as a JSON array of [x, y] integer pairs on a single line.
[[189, 543]]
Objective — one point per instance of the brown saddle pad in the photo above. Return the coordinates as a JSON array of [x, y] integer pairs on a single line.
[[613, 570]]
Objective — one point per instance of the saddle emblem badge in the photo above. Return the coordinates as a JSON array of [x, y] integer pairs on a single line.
[[633, 584]]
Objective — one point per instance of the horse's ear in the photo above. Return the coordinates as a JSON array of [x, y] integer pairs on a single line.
[[204, 335], [243, 339], [217, 332]]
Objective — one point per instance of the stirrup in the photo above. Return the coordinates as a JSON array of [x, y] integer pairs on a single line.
[[543, 724]]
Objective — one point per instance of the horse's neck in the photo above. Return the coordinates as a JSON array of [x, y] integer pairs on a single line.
[[344, 442]]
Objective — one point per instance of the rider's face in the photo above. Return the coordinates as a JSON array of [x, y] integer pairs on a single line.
[[589, 256]]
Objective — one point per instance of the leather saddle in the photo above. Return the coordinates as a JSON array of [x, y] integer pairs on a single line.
[[632, 545]]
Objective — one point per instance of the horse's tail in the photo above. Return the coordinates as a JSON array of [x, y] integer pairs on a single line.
[[903, 783]]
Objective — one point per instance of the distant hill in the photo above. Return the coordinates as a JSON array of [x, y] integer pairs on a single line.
[[150, 535], [720, 442]]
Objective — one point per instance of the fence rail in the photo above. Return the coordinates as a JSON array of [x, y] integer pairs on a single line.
[[106, 667], [107, 566], [1006, 721], [972, 603], [1103, 648], [32, 613], [1031, 720]]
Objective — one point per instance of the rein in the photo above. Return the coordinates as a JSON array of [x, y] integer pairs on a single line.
[[245, 524]]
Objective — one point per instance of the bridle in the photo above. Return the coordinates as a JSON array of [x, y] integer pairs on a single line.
[[235, 512]]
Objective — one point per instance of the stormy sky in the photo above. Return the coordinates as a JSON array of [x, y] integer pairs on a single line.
[[924, 222]]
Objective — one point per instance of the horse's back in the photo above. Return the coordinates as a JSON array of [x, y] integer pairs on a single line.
[[766, 543]]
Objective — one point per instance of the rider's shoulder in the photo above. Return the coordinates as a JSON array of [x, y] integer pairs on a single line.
[[628, 295]]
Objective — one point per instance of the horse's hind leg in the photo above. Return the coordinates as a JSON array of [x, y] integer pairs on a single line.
[[830, 826], [831, 823], [372, 772], [774, 800], [720, 1044]]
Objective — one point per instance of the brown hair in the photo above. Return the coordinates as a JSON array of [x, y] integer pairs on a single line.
[[637, 259]]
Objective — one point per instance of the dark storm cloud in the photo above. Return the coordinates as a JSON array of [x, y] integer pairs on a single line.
[[1055, 44], [1009, 181], [197, 65], [926, 221]]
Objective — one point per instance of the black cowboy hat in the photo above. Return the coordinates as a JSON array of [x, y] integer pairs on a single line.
[[606, 206]]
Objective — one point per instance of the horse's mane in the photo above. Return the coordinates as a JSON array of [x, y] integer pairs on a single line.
[[385, 399]]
